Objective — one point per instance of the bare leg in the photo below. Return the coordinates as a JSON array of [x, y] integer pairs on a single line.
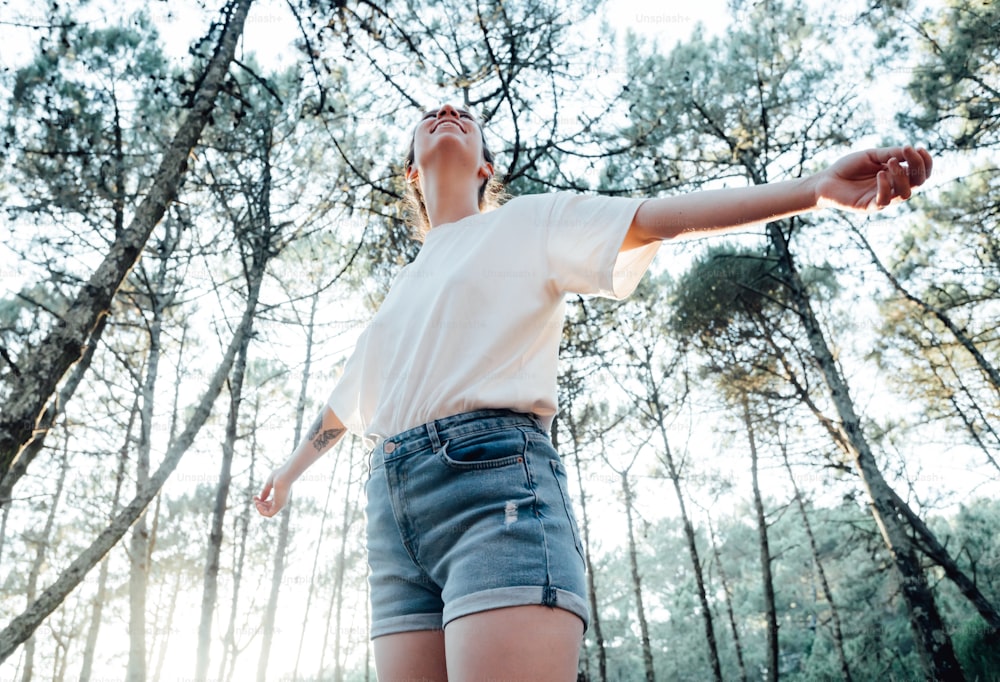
[[518, 643], [416, 656]]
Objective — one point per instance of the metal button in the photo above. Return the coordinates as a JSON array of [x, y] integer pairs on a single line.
[[389, 447]]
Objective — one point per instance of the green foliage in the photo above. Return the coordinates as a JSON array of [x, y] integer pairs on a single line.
[[978, 650], [724, 285], [957, 82]]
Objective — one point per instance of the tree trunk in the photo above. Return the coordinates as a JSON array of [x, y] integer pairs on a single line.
[[139, 543], [689, 534], [42, 367], [738, 645], [211, 582], [338, 585], [167, 627], [229, 648], [930, 633], [300, 409], [647, 651], [42, 543], [926, 540], [22, 626], [312, 577], [595, 619], [838, 634], [765, 551], [270, 612], [102, 579], [48, 418]]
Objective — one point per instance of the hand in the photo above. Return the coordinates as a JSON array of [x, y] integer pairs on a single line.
[[277, 484], [873, 179]]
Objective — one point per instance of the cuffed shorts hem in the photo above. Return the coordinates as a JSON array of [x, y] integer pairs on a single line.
[[502, 597], [407, 623]]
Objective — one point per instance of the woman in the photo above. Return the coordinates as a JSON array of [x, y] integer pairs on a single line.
[[476, 566]]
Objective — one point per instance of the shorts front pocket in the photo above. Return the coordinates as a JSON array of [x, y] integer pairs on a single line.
[[491, 449]]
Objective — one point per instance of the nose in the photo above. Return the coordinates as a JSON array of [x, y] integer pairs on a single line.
[[447, 110]]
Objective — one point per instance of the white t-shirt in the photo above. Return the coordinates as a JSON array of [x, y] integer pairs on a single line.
[[475, 320]]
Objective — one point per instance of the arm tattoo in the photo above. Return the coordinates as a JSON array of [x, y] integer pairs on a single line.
[[320, 438], [323, 439]]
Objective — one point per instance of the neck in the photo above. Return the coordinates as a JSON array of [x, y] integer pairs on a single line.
[[449, 199]]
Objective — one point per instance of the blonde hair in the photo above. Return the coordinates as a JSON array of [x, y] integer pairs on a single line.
[[491, 192]]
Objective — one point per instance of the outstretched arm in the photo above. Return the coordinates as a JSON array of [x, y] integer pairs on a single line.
[[322, 435], [862, 181]]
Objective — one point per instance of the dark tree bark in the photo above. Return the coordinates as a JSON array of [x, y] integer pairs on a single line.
[[23, 625], [210, 587], [933, 640], [647, 651], [765, 550], [42, 542], [97, 608], [595, 618], [41, 368], [838, 633], [673, 471], [737, 643]]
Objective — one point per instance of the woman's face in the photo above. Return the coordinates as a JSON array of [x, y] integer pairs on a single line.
[[448, 137]]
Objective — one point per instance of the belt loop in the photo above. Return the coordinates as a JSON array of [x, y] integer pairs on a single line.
[[433, 435]]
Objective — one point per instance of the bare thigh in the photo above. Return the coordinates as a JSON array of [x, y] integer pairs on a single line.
[[411, 657], [517, 643]]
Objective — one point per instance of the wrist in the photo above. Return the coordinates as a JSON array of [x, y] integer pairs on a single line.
[[811, 190], [286, 474]]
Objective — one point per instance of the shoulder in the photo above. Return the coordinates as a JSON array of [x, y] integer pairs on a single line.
[[533, 208]]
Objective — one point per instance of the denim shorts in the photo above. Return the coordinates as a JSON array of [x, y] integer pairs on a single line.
[[466, 514]]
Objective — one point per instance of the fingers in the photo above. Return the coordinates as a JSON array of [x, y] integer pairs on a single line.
[[899, 179], [266, 507], [916, 165], [883, 189]]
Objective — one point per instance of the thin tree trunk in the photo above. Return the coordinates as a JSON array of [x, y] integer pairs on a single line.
[[240, 558], [102, 579], [42, 367], [22, 626], [838, 634], [300, 409], [211, 582], [689, 534], [139, 543], [150, 548], [933, 640], [312, 577], [765, 551], [42, 543], [595, 619], [279, 552], [272, 601], [167, 627], [647, 651], [737, 643], [338, 586]]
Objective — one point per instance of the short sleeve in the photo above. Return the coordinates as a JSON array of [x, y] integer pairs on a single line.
[[585, 233], [345, 399]]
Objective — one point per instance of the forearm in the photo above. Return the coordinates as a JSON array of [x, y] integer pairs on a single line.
[[711, 211], [324, 433]]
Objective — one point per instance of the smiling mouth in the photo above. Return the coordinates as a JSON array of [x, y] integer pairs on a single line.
[[453, 123]]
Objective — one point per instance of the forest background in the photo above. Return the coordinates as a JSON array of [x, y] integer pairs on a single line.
[[783, 449]]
